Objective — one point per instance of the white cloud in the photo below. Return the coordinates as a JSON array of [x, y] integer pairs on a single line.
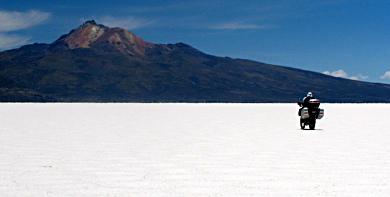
[[13, 21], [386, 75], [125, 22], [342, 74], [12, 41], [337, 73], [238, 25]]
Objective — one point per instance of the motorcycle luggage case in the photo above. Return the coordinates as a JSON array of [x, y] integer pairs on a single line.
[[314, 103], [321, 114], [304, 113]]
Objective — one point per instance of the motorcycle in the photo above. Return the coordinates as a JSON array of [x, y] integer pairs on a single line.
[[309, 113]]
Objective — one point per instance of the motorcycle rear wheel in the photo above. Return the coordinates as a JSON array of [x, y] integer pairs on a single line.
[[312, 125]]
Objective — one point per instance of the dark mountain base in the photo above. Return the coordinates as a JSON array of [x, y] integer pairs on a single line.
[[95, 63]]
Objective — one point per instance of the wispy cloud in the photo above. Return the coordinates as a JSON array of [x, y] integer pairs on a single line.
[[342, 74], [12, 41], [13, 21], [239, 25], [125, 22], [386, 75]]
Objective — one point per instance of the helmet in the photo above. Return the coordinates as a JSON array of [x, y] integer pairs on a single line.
[[309, 94]]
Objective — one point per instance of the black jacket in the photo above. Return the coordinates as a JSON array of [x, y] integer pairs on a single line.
[[306, 101]]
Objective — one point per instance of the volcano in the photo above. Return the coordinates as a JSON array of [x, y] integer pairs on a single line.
[[96, 63]]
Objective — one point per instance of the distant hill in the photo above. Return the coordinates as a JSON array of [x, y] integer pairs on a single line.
[[95, 63]]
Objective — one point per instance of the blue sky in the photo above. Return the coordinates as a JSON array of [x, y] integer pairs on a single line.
[[344, 38]]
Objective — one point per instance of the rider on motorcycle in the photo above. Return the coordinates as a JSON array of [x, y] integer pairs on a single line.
[[309, 111], [307, 99]]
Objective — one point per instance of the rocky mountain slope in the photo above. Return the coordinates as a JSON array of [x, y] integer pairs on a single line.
[[95, 63]]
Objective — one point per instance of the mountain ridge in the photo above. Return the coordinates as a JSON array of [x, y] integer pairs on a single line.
[[95, 63]]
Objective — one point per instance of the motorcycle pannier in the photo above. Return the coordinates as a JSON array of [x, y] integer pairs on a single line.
[[321, 114], [305, 113]]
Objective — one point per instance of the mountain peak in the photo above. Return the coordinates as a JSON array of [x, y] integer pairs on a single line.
[[91, 35], [115, 65], [92, 22]]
